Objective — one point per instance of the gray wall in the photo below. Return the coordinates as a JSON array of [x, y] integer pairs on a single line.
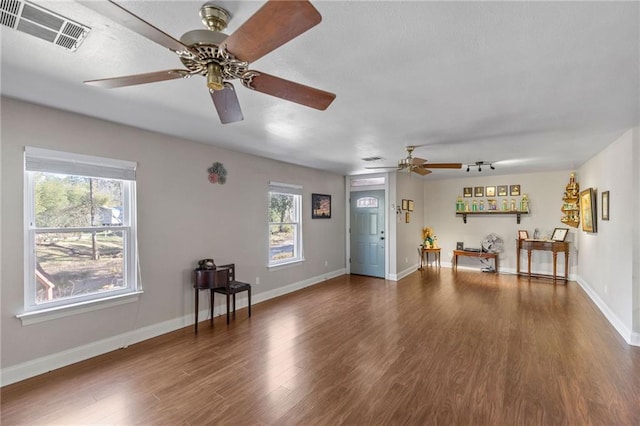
[[408, 235], [607, 258], [181, 218]]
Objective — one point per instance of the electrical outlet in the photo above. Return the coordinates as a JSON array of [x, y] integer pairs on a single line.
[[257, 280]]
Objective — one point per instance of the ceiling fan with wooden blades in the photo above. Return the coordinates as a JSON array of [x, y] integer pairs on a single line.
[[417, 165], [220, 57]]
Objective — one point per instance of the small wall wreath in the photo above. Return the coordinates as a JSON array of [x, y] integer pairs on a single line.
[[217, 173]]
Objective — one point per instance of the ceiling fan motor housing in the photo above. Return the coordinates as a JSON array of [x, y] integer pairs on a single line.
[[206, 45]]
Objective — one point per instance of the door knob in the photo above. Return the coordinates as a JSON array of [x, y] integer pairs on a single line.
[[382, 238]]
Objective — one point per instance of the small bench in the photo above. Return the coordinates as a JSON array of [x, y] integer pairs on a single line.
[[479, 254]]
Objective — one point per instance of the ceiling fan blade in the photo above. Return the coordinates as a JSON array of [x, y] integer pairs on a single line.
[[270, 27], [383, 167], [421, 171], [132, 80], [290, 91], [227, 105], [415, 161], [122, 16], [443, 165]]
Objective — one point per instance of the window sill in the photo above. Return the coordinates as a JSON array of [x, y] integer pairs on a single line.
[[43, 315], [292, 262]]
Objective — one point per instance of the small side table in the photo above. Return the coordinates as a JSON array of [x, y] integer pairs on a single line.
[[208, 279], [423, 251]]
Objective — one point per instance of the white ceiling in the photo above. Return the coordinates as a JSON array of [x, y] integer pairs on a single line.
[[529, 86]]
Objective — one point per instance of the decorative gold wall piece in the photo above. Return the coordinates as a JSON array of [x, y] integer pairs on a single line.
[[571, 203]]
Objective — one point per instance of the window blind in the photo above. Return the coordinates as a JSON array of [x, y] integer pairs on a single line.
[[50, 161]]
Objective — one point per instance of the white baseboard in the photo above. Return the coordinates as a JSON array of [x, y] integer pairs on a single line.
[[630, 337], [400, 275], [35, 367]]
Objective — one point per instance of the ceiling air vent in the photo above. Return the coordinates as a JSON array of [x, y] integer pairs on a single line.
[[372, 159], [42, 23]]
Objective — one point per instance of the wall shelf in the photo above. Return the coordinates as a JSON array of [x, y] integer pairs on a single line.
[[517, 214]]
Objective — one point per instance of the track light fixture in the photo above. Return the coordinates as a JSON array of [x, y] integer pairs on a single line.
[[479, 165]]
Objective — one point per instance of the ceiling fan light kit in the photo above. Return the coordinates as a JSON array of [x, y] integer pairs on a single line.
[[220, 57], [479, 165]]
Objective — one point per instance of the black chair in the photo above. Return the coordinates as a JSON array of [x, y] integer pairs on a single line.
[[232, 287]]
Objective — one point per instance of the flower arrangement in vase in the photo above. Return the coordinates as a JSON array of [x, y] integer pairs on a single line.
[[429, 240]]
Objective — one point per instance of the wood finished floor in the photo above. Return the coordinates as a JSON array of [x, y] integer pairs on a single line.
[[433, 348]]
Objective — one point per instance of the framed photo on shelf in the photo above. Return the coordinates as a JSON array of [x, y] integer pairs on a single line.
[[467, 192], [502, 190], [320, 206], [478, 191], [460, 245], [410, 205], [405, 204], [514, 190], [490, 191], [523, 235], [605, 205], [559, 234], [588, 210]]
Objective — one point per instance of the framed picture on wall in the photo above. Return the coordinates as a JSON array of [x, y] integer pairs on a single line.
[[407, 217], [588, 210], [405, 204], [320, 206], [478, 191], [502, 190], [514, 190], [605, 205], [467, 192], [410, 205], [491, 191]]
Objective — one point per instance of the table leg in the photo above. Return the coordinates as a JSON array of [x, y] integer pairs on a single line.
[[420, 255], [211, 300], [555, 258], [438, 259], [495, 259], [529, 263], [455, 262], [518, 261], [196, 323]]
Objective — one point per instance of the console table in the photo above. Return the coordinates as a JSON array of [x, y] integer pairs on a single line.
[[543, 245], [480, 254]]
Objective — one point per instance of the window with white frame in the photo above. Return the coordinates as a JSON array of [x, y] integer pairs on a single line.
[[285, 223], [80, 228]]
